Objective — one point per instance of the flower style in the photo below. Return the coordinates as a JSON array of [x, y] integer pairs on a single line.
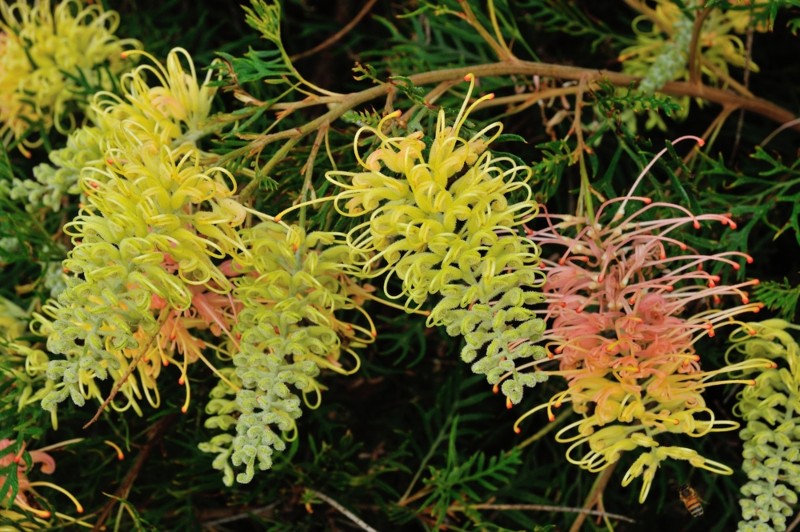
[[291, 287], [622, 305], [771, 438], [444, 220], [24, 486], [44, 52]]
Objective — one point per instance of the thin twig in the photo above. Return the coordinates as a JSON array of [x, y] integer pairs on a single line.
[[350, 515], [542, 508], [598, 487], [694, 45], [239, 515], [339, 34], [120, 382], [527, 68], [793, 524], [748, 57], [155, 434]]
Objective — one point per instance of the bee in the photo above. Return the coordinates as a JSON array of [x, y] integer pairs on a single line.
[[691, 500]]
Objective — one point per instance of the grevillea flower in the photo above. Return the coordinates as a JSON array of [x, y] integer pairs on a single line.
[[663, 35], [43, 54], [24, 486], [445, 221], [771, 436], [291, 286], [626, 305], [156, 224]]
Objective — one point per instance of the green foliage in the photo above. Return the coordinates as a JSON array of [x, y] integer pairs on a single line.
[[200, 258], [780, 297], [468, 481]]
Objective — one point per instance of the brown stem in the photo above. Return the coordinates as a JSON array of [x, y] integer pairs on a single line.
[[121, 381], [594, 496], [694, 45], [154, 435], [540, 508], [339, 34], [591, 76]]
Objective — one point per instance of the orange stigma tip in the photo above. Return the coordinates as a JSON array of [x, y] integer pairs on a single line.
[[756, 282], [752, 332], [749, 259], [277, 218], [184, 409], [469, 77], [696, 224], [509, 404], [181, 381], [736, 267], [495, 389], [79, 509], [551, 418], [490, 96], [732, 224], [647, 201], [517, 430], [701, 142]]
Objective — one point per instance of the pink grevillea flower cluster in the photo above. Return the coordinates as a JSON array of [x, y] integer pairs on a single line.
[[25, 487], [627, 301]]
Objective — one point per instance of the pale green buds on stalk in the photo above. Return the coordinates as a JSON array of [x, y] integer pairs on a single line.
[[771, 436], [292, 288], [445, 221]]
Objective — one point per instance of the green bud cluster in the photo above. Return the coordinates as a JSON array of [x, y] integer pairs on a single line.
[[445, 220], [55, 181], [771, 411], [291, 287]]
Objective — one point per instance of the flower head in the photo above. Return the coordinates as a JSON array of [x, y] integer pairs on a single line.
[[627, 301], [24, 486], [445, 221], [43, 54]]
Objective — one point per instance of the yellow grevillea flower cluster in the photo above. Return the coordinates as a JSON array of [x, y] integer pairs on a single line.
[[622, 327], [445, 221], [48, 59], [155, 222], [663, 35], [291, 286], [771, 412]]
